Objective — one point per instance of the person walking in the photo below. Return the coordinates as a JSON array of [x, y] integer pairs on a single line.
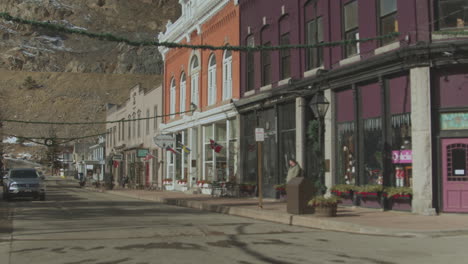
[[294, 170]]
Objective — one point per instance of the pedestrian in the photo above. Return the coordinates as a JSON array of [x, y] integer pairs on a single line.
[[294, 170]]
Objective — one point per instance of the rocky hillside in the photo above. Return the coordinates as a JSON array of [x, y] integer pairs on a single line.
[[45, 75], [63, 97], [26, 48]]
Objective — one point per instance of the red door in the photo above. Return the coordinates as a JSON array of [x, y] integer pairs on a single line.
[[147, 174], [455, 174]]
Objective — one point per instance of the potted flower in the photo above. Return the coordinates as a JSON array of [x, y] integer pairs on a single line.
[[325, 206], [371, 195], [399, 198], [167, 183], [206, 187], [182, 182], [345, 192], [248, 188], [280, 191]]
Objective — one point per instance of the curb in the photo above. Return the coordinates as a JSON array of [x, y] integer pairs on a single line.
[[294, 220]]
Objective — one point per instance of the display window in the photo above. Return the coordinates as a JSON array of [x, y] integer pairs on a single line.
[[402, 154], [346, 138]]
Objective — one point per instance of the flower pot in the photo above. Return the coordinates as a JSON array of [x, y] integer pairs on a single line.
[[346, 197], [400, 202], [169, 187], [371, 200], [206, 190], [328, 211]]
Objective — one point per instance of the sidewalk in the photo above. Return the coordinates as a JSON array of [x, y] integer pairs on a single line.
[[349, 219]]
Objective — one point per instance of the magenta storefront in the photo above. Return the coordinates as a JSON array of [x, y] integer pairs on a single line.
[[367, 126], [450, 101], [373, 133]]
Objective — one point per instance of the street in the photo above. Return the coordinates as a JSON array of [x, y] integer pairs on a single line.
[[80, 226]]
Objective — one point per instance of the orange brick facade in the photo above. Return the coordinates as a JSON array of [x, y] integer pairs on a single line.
[[221, 29]]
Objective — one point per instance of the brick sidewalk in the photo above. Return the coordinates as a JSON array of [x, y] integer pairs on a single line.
[[349, 219]]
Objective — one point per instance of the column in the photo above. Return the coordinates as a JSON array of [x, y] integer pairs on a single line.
[[422, 140], [329, 148], [301, 127]]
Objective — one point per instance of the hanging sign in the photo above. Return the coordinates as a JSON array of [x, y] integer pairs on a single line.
[[454, 121], [259, 134], [164, 141], [402, 156], [141, 153]]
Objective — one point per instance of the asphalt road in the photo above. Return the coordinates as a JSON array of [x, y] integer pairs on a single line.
[[76, 226]]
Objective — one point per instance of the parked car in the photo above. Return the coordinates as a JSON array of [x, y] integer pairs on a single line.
[[24, 183]]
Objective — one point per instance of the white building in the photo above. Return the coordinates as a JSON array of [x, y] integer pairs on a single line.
[[130, 150]]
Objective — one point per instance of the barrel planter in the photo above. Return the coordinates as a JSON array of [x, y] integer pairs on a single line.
[[347, 197], [325, 211], [371, 199], [400, 202]]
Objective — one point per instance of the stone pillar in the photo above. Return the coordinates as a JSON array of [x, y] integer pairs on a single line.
[[301, 127], [422, 140], [329, 147]]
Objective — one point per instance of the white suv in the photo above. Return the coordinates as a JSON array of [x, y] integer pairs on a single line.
[[23, 183]]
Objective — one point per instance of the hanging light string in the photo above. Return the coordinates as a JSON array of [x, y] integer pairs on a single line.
[[194, 108], [53, 140], [110, 37]]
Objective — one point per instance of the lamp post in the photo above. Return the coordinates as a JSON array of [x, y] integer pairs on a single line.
[[319, 105]]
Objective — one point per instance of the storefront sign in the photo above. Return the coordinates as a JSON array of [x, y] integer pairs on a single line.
[[259, 134], [402, 156], [454, 121], [141, 153], [117, 157], [164, 140]]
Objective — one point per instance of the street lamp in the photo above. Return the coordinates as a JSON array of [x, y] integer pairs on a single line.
[[319, 105]]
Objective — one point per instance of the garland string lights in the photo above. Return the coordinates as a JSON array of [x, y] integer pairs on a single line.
[[110, 37], [91, 123]]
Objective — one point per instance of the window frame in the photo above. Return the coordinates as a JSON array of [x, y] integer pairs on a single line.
[[440, 16], [250, 64], [194, 80], [285, 56], [381, 18], [227, 75], [172, 97], [353, 32], [266, 64], [211, 94], [183, 92]]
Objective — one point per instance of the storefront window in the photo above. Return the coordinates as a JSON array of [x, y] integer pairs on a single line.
[[373, 145], [346, 163], [249, 122], [233, 150], [346, 150], [208, 153], [402, 155], [221, 157]]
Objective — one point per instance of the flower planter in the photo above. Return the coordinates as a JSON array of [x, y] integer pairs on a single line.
[[371, 199], [169, 187], [328, 211], [346, 197], [206, 190], [400, 202]]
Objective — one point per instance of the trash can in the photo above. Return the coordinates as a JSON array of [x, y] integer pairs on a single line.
[[300, 191]]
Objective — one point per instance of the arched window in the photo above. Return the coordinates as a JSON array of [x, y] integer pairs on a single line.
[[134, 125], [183, 93], [212, 80], [227, 75], [194, 74], [172, 98], [139, 124], [129, 126]]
